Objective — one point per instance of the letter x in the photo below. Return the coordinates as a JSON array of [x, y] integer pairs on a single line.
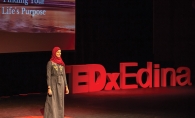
[[112, 77]]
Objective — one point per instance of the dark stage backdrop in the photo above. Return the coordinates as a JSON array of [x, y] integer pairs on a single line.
[[173, 31], [107, 32]]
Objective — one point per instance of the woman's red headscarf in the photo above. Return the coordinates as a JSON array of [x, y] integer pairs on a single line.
[[56, 59]]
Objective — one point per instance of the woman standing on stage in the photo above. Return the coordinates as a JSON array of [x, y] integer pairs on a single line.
[[57, 85]]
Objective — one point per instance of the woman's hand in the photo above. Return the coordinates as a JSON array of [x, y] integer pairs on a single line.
[[49, 91], [67, 90]]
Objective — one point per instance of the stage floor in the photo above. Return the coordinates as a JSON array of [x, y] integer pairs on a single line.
[[171, 102]]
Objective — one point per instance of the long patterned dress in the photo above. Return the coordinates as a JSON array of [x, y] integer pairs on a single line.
[[56, 78]]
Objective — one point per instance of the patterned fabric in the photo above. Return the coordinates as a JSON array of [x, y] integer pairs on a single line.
[[56, 78]]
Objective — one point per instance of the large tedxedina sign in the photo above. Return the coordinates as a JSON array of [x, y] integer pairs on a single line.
[[93, 77]]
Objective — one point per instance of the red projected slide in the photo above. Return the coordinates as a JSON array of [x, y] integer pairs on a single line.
[[36, 25]]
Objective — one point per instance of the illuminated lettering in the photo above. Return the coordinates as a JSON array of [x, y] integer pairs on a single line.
[[93, 77]]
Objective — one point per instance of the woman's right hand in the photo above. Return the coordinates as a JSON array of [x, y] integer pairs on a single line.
[[49, 92]]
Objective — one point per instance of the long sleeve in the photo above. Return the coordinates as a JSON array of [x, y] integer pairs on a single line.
[[49, 73], [64, 77]]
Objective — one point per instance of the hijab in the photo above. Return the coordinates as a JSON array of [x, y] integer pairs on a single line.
[[56, 59]]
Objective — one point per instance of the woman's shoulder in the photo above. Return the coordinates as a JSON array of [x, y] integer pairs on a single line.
[[51, 63]]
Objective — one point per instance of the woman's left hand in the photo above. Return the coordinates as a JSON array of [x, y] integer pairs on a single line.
[[67, 90]]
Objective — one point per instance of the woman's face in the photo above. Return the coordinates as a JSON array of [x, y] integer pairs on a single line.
[[58, 53]]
